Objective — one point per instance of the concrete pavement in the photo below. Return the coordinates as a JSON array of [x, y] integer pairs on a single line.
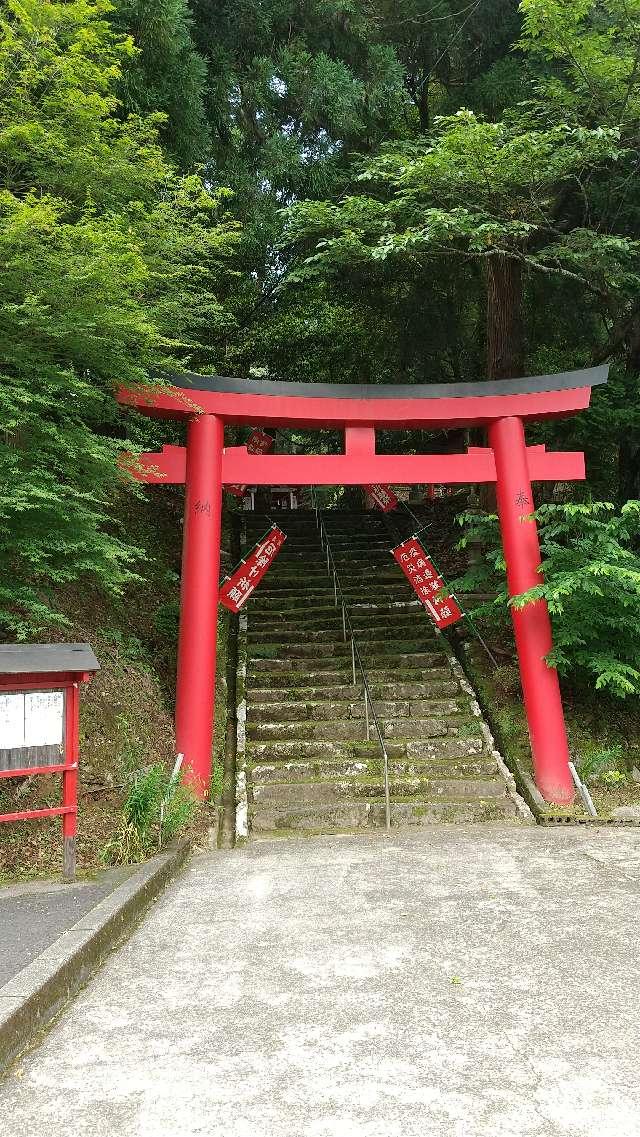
[[33, 914], [456, 982]]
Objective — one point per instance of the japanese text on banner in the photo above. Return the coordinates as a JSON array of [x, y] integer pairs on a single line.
[[383, 497], [259, 442], [427, 583], [235, 591]]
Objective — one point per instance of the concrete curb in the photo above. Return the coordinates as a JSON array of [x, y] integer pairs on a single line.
[[35, 995]]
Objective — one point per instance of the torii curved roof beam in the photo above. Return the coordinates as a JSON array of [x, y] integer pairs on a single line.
[[321, 405], [318, 406]]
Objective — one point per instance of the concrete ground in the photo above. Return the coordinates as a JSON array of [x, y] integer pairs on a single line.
[[34, 914], [456, 982]]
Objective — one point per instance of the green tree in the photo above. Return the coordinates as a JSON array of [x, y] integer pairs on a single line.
[[110, 268], [592, 587], [166, 74], [295, 90], [537, 209]]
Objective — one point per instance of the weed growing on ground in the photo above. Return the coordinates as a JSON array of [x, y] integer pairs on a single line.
[[157, 808], [603, 764]]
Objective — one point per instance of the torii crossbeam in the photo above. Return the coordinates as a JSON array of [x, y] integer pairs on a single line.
[[204, 465]]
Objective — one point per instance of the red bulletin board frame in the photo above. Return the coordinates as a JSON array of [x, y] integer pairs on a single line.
[[69, 683]]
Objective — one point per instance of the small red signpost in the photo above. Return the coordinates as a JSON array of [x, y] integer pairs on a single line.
[[236, 589], [40, 725], [382, 496], [259, 442], [427, 583]]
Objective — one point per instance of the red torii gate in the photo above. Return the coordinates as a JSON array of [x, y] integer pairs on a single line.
[[205, 466]]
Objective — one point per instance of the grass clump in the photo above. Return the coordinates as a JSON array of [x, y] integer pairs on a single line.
[[158, 807]]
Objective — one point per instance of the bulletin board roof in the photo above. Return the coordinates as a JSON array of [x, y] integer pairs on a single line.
[[30, 659]]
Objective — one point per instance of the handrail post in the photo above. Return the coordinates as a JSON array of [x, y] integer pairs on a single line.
[[353, 660], [387, 802], [366, 709], [344, 624]]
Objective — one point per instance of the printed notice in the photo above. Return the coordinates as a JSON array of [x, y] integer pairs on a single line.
[[11, 721], [43, 718]]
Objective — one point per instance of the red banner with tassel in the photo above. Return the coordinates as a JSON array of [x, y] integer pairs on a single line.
[[427, 583], [236, 589]]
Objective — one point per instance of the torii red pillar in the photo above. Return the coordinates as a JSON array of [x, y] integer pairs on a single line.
[[196, 678], [531, 624]]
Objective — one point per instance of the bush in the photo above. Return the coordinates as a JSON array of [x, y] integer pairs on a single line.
[[591, 567]]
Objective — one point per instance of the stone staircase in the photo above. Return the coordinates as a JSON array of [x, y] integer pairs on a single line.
[[309, 766]]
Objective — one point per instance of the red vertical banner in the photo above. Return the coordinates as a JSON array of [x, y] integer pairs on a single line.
[[258, 442], [382, 496], [427, 583], [236, 590]]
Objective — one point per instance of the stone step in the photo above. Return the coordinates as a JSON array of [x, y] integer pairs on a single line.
[[379, 647], [361, 616], [283, 587], [433, 750], [333, 634], [327, 607], [412, 621], [348, 816], [308, 545], [328, 709], [354, 729], [417, 661], [325, 792], [256, 696], [356, 596], [352, 551], [260, 675], [413, 625], [335, 769]]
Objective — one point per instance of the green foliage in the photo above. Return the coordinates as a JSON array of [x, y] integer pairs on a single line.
[[511, 213], [591, 568], [110, 269], [603, 764], [157, 809], [166, 74], [217, 782], [507, 174], [130, 647]]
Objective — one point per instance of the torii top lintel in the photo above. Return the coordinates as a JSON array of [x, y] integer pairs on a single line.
[[321, 406]]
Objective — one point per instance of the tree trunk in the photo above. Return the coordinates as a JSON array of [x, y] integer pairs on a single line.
[[629, 445], [505, 338], [629, 470]]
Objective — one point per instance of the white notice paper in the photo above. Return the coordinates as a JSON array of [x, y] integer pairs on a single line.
[[11, 721], [43, 718]]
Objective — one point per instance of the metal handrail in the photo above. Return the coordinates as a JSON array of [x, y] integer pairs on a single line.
[[355, 652]]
